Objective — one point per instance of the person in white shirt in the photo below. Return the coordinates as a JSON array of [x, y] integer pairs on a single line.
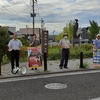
[[14, 47]]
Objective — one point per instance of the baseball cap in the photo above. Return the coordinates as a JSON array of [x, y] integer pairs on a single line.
[[98, 34], [65, 34]]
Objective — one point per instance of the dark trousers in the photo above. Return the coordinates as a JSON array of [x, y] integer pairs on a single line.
[[15, 57], [64, 59]]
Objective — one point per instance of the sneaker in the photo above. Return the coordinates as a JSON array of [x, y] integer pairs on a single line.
[[17, 68], [13, 72]]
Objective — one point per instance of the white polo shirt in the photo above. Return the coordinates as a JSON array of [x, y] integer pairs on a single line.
[[15, 44]]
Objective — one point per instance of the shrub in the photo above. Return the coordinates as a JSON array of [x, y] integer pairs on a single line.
[[54, 52], [23, 53], [86, 47]]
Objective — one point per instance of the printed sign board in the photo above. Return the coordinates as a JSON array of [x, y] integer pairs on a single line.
[[34, 57], [96, 58]]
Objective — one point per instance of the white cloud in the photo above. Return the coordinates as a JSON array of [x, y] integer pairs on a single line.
[[56, 13]]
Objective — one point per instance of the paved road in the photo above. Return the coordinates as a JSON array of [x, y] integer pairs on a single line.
[[79, 86]]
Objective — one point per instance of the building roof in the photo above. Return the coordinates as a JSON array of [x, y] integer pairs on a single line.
[[10, 33], [10, 29]]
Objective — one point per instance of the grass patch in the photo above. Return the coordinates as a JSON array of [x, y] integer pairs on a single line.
[[85, 65]]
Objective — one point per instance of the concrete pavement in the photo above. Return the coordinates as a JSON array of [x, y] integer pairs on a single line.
[[52, 67]]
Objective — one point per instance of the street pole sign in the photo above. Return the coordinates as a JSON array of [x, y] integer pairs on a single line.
[[45, 48], [45, 42]]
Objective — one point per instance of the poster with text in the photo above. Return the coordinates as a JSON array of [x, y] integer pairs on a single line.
[[96, 59], [34, 57]]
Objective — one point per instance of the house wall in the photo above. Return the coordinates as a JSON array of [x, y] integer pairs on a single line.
[[29, 31], [12, 29]]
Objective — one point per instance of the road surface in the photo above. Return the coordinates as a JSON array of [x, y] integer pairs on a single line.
[[65, 86]]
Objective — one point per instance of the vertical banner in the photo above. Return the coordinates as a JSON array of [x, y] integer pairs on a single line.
[[34, 57], [96, 58]]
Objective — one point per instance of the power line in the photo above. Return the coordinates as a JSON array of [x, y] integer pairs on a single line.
[[9, 12], [14, 12], [26, 4], [38, 11], [16, 22]]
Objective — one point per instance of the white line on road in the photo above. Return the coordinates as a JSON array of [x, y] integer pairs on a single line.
[[95, 99], [47, 75]]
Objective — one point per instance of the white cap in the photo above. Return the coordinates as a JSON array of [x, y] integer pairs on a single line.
[[98, 34]]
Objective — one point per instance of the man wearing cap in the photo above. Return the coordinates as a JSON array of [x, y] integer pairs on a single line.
[[65, 45], [97, 42]]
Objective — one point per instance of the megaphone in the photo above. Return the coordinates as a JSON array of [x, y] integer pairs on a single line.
[[23, 69]]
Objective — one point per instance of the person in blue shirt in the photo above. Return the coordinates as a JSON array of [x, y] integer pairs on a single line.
[[97, 42]]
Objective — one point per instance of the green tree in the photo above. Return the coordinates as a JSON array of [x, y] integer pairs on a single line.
[[4, 39], [93, 30], [58, 37], [24, 41], [69, 29]]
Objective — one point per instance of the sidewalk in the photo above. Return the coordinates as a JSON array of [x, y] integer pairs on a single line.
[[52, 67]]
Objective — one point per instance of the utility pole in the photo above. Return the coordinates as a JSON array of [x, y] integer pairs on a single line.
[[42, 28], [33, 14]]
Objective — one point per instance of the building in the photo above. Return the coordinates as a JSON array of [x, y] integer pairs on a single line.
[[11, 30], [84, 36], [29, 31], [52, 38]]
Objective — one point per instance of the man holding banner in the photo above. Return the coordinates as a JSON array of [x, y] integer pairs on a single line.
[[96, 51], [34, 43], [97, 42]]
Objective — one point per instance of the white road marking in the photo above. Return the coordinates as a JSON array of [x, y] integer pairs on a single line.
[[95, 99], [47, 75]]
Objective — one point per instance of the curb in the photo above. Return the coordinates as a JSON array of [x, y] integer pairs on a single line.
[[47, 73]]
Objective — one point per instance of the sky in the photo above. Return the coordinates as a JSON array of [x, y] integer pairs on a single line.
[[55, 13]]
